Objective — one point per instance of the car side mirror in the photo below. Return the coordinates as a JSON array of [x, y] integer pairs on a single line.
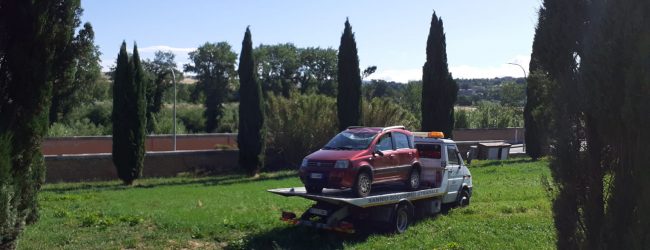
[[378, 152]]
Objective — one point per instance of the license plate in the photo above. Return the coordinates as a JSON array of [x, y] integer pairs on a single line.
[[318, 211], [316, 176]]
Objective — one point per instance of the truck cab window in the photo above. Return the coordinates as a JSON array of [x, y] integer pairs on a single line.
[[452, 154], [429, 150]]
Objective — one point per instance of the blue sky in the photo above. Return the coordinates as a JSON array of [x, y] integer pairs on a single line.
[[482, 36]]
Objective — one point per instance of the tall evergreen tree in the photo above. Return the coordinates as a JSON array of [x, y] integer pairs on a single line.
[[251, 136], [537, 112], [597, 50], [439, 90], [32, 33], [129, 119], [214, 66], [348, 99]]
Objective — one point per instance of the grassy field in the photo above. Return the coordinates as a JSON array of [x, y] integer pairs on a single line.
[[509, 210]]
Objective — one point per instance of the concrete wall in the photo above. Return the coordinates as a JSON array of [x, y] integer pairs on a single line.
[[104, 144], [510, 135], [157, 164]]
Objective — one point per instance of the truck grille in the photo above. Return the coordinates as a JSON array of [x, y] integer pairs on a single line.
[[323, 164]]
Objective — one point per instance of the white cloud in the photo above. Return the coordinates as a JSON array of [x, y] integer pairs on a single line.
[[459, 71], [505, 69], [166, 48], [398, 75]]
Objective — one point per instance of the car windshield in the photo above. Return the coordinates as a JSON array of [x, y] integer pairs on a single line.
[[350, 141]]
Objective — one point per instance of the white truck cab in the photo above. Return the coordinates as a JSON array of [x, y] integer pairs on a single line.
[[437, 156]]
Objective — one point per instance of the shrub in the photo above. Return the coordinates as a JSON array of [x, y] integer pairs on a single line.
[[83, 127], [192, 117], [298, 126], [489, 115], [382, 112], [229, 122], [165, 125]]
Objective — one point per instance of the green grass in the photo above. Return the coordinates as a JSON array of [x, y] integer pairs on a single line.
[[509, 210]]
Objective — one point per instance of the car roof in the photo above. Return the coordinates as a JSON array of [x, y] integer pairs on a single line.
[[376, 130]]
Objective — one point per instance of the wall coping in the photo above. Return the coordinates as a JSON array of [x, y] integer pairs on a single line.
[[150, 153], [148, 136]]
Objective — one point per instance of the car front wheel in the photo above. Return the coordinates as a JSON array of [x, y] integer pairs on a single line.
[[463, 199], [363, 184]]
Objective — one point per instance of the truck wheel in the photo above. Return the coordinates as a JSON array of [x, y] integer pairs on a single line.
[[413, 182], [314, 190], [362, 185], [401, 219], [463, 199]]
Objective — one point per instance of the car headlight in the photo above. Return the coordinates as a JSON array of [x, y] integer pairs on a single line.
[[342, 164], [304, 163]]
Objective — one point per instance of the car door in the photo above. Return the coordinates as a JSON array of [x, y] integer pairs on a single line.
[[383, 164], [404, 155], [454, 175]]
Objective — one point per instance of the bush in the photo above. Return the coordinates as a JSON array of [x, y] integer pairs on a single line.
[[83, 127], [98, 113], [192, 117], [229, 122], [298, 126], [489, 115], [165, 125], [383, 112]]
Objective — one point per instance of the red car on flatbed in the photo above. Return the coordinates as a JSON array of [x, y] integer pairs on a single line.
[[361, 156]]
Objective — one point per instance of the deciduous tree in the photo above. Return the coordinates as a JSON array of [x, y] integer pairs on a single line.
[[214, 66], [77, 72], [160, 72]]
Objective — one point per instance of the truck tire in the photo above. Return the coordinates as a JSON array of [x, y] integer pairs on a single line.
[[314, 190], [401, 219], [362, 185], [413, 182], [463, 198]]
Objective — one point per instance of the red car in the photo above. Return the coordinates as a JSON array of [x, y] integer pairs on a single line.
[[361, 156]]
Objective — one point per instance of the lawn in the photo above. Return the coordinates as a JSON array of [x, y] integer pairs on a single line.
[[509, 210]]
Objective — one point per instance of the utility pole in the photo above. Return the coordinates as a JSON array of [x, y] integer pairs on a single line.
[[174, 81], [525, 77]]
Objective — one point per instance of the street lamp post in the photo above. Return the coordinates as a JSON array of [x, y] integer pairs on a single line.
[[522, 69], [174, 120], [525, 77]]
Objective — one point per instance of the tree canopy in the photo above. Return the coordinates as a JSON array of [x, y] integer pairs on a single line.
[[214, 66]]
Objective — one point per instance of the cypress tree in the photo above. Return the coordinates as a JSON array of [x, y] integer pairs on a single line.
[[439, 90], [348, 99], [32, 34], [251, 136], [536, 114], [129, 115]]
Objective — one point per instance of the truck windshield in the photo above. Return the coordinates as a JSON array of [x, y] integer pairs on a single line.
[[350, 141]]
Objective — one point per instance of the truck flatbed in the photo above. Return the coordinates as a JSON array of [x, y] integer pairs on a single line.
[[379, 196]]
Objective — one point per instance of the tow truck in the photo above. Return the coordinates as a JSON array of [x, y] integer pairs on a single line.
[[445, 179]]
